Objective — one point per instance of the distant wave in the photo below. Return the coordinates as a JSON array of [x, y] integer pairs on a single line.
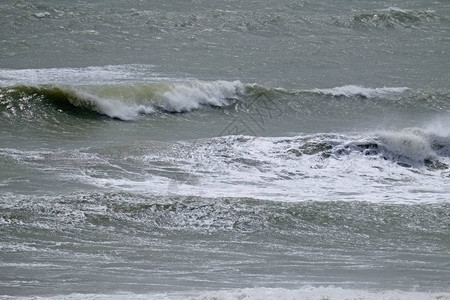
[[348, 91], [353, 90], [311, 293], [94, 75], [392, 17]]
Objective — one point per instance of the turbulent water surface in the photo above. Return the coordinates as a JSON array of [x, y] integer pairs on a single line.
[[224, 149]]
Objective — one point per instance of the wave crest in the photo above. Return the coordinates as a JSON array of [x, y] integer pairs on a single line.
[[359, 91], [126, 102], [392, 17]]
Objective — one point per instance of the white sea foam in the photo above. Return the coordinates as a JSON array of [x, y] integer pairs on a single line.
[[439, 126], [412, 143], [378, 167], [187, 97], [42, 14], [317, 293], [99, 75], [381, 167], [128, 102], [307, 293], [113, 108], [354, 90]]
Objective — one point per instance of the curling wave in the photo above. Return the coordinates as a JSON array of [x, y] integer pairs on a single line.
[[128, 102], [125, 102]]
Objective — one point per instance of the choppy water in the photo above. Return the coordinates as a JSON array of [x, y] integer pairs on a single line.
[[224, 150]]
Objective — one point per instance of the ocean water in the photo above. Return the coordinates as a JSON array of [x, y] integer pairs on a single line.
[[224, 149]]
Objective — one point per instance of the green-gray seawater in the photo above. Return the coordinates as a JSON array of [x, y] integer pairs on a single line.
[[224, 149]]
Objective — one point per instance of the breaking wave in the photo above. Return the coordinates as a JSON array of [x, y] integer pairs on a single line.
[[305, 293], [410, 147], [125, 102], [348, 91], [128, 102], [305, 167], [355, 91], [313, 293]]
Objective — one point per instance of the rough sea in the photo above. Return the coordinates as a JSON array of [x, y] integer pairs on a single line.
[[253, 149]]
